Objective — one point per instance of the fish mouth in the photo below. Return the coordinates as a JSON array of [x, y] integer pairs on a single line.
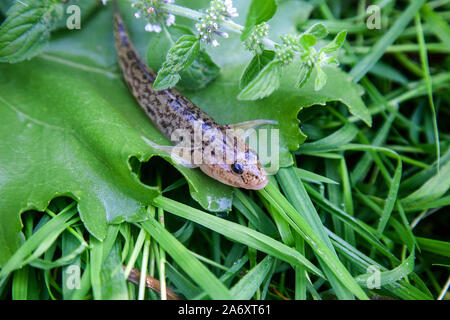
[[260, 186]]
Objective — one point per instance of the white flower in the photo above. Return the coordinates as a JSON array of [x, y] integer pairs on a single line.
[[137, 15], [222, 34], [152, 27], [231, 11], [215, 43], [170, 20], [104, 2]]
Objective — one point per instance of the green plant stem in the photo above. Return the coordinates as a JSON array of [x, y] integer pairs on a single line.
[[137, 248], [208, 261], [431, 47], [407, 63], [426, 74], [144, 268], [162, 253], [162, 260]]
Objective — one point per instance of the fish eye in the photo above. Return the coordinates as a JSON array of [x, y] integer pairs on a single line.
[[237, 168]]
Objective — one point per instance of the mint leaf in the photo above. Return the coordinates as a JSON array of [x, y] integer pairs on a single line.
[[26, 30], [259, 12], [179, 57], [267, 81], [307, 41], [337, 42], [166, 79], [317, 30], [258, 62], [185, 51], [201, 71], [303, 75], [195, 76]]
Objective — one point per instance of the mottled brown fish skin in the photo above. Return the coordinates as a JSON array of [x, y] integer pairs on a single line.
[[170, 111]]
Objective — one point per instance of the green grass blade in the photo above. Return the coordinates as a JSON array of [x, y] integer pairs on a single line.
[[433, 189], [377, 51], [358, 226], [401, 289], [300, 272], [253, 213], [298, 197], [435, 246], [313, 177], [113, 281], [299, 224], [69, 273], [340, 137], [391, 276], [247, 286], [51, 229], [134, 254], [362, 167], [394, 185], [184, 285], [20, 284], [228, 276], [237, 233], [391, 198], [437, 24], [96, 262], [195, 269], [85, 285], [63, 261], [426, 73]]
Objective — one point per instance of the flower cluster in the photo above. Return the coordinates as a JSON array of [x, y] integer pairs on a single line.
[[254, 40], [208, 27], [289, 47], [150, 11], [303, 46]]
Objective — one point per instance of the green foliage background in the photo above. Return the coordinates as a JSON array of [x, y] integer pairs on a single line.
[[344, 200]]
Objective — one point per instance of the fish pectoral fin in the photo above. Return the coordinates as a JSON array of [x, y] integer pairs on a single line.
[[182, 161], [174, 153], [248, 126]]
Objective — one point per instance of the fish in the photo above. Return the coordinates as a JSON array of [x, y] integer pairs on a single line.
[[220, 151]]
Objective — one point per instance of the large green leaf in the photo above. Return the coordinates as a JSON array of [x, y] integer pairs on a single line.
[[69, 127]]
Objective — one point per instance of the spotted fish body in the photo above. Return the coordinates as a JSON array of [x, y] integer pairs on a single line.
[[171, 111]]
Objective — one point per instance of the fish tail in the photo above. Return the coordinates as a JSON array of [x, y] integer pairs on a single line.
[[133, 67], [122, 39]]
